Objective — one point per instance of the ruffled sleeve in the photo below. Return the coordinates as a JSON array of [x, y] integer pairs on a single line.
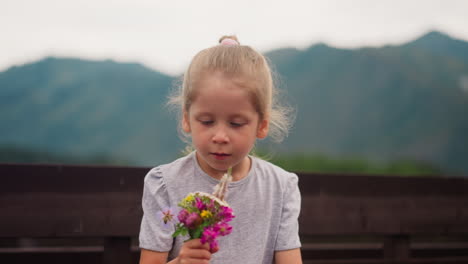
[[154, 235], [288, 234]]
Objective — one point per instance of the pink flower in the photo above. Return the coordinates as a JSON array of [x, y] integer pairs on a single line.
[[211, 205], [203, 216], [225, 213], [209, 236], [199, 204], [183, 214], [222, 228], [193, 220]]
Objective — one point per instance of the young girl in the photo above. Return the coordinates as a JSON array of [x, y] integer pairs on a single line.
[[226, 102]]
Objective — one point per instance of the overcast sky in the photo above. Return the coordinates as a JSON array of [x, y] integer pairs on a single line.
[[164, 35]]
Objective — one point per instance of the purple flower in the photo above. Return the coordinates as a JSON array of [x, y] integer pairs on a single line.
[[167, 216], [199, 204], [223, 228], [209, 236], [183, 214], [193, 220], [211, 205], [225, 213], [202, 216]]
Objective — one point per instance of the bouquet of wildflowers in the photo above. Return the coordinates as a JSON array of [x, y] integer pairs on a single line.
[[204, 215]]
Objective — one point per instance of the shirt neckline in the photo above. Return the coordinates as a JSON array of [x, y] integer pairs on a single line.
[[200, 172]]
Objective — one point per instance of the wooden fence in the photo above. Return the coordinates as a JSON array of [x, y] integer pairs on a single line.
[[91, 214]]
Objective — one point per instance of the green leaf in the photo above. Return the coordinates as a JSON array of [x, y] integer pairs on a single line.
[[180, 230], [196, 233]]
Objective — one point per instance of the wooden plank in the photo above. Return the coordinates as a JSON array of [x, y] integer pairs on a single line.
[[68, 201], [74, 178], [21, 178], [317, 184], [60, 258], [117, 251], [70, 215], [53, 258], [58, 200], [64, 249], [329, 215], [448, 260], [397, 248]]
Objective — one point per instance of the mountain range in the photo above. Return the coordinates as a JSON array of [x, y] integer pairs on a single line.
[[389, 103]]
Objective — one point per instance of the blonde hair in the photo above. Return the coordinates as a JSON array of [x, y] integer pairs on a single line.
[[249, 69]]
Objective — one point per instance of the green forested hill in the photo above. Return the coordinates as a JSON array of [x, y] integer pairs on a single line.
[[383, 104], [394, 102], [87, 108]]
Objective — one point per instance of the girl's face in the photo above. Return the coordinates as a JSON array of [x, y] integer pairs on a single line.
[[223, 124]]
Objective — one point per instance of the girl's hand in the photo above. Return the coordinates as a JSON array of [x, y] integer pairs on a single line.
[[194, 252]]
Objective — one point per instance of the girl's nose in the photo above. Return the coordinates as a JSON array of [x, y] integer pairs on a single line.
[[220, 136]]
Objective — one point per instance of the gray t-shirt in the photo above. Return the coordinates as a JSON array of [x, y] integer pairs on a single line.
[[266, 204]]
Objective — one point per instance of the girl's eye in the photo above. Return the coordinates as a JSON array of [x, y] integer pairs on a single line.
[[236, 124], [206, 122]]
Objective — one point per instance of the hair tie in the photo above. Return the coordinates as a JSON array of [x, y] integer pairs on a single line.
[[229, 42]]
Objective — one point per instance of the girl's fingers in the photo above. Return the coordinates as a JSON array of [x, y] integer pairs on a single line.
[[193, 251], [199, 254], [195, 256], [195, 261], [214, 250], [196, 243]]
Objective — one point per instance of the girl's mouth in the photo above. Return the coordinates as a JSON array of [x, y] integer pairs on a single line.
[[220, 156]]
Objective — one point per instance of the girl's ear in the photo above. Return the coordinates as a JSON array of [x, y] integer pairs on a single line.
[[263, 127], [186, 122]]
